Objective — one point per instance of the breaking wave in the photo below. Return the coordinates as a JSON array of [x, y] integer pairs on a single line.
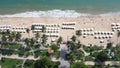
[[57, 13]]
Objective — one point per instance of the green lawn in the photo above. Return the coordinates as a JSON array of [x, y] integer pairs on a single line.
[[10, 63], [56, 54], [12, 46], [29, 64], [92, 48]]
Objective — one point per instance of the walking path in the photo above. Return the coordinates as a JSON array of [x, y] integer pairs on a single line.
[[105, 63], [63, 61], [21, 58]]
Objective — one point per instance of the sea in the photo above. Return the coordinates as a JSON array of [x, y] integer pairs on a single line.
[[59, 8]]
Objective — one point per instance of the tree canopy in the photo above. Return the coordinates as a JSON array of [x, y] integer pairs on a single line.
[[73, 38], [44, 62], [78, 65], [59, 41], [102, 56], [78, 32]]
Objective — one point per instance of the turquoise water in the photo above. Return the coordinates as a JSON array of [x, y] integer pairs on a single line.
[[83, 6]]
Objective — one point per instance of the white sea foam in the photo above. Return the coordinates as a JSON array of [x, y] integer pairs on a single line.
[[110, 14], [57, 13], [50, 13]]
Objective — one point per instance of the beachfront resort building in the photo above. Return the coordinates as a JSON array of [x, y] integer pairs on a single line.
[[90, 33]]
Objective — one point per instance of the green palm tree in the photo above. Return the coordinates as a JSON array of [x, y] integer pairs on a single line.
[[43, 29], [32, 27], [8, 32], [10, 38], [37, 36], [4, 38], [28, 31], [78, 33], [59, 41], [44, 39], [32, 42], [118, 34], [18, 36], [73, 38], [27, 42]]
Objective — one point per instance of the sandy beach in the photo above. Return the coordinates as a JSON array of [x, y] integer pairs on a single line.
[[97, 22]]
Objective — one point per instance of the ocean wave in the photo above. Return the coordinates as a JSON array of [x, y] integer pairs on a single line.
[[57, 14], [110, 14], [50, 13]]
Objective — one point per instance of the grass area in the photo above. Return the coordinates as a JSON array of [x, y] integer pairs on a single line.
[[56, 54], [8, 52], [89, 58], [92, 48], [86, 48], [40, 53], [12, 46], [10, 63], [29, 64]]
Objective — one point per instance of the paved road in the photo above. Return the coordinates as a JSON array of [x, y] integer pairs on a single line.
[[63, 61]]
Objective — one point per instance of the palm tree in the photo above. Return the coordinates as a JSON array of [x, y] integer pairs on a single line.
[[10, 38], [118, 34], [59, 41], [37, 36], [44, 39], [78, 33], [18, 36], [32, 42], [28, 31], [4, 38], [32, 27], [73, 38], [8, 32], [27, 41], [43, 29]]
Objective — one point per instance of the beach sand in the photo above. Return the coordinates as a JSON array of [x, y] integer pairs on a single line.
[[98, 23]]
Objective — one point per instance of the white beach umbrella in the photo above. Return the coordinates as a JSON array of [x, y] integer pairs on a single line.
[[91, 29], [102, 32], [101, 41], [96, 37], [95, 32], [92, 33], [85, 29], [117, 24], [110, 36], [113, 24], [88, 29], [81, 29], [99, 32], [85, 33], [84, 36], [118, 29]]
